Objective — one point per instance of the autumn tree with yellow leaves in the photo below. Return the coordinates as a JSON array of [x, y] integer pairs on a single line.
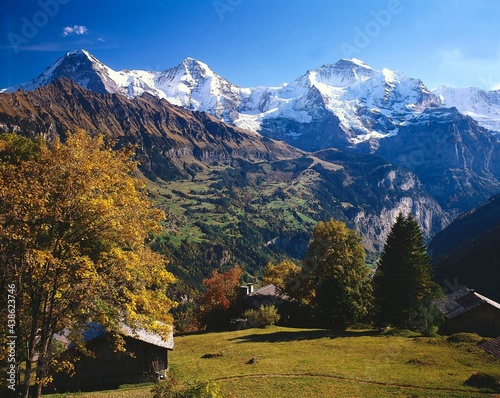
[[283, 275], [335, 275], [74, 228]]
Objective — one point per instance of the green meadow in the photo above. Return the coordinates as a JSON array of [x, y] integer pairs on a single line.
[[321, 363]]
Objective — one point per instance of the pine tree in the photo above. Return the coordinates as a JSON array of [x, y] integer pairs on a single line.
[[402, 282]]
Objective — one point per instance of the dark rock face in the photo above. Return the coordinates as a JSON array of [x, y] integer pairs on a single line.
[[455, 158]]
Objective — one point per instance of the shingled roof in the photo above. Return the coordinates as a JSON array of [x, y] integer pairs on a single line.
[[148, 337], [95, 330], [461, 301], [268, 290], [492, 347]]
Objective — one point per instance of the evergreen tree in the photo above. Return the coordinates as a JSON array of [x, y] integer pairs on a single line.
[[335, 275], [402, 282]]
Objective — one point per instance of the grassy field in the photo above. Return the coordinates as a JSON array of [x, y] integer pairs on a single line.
[[318, 363]]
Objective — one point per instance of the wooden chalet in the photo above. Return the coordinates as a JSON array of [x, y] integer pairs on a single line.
[[145, 359], [468, 311]]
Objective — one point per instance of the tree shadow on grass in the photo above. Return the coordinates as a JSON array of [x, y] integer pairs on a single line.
[[300, 335]]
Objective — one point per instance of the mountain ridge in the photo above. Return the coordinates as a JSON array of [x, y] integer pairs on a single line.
[[369, 103], [346, 105]]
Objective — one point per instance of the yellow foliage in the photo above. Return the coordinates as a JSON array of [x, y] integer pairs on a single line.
[[74, 226], [283, 275]]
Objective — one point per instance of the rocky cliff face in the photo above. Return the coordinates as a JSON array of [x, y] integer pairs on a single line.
[[389, 189], [455, 158]]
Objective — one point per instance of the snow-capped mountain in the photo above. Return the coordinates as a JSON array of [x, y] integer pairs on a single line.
[[193, 85], [367, 103], [90, 73], [341, 104], [481, 105]]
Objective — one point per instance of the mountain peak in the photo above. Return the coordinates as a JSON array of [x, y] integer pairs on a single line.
[[79, 52], [352, 62], [79, 66], [195, 67], [341, 74], [81, 56]]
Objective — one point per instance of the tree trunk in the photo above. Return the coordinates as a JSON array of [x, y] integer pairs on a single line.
[[41, 366], [27, 374]]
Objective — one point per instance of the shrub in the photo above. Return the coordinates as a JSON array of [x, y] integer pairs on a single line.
[[266, 315], [484, 381], [466, 338], [203, 390], [166, 389]]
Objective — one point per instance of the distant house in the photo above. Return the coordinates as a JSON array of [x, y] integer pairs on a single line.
[[468, 311], [266, 295], [108, 368]]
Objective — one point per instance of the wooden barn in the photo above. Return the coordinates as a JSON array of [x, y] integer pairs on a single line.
[[468, 311], [146, 359]]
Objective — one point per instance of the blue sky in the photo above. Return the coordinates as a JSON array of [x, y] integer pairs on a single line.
[[258, 42]]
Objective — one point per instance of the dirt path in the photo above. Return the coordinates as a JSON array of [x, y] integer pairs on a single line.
[[343, 378]]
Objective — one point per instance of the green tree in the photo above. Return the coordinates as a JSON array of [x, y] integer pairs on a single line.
[[74, 227], [402, 281], [266, 315], [335, 276]]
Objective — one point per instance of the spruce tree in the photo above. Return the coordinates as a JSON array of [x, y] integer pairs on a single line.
[[402, 281]]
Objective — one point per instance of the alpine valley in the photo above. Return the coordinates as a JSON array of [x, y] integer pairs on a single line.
[[245, 173]]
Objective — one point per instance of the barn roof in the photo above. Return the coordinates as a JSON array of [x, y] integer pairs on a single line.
[[268, 290], [492, 347], [462, 301], [95, 330], [148, 337]]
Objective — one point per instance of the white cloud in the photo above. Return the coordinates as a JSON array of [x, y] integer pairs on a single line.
[[75, 30]]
